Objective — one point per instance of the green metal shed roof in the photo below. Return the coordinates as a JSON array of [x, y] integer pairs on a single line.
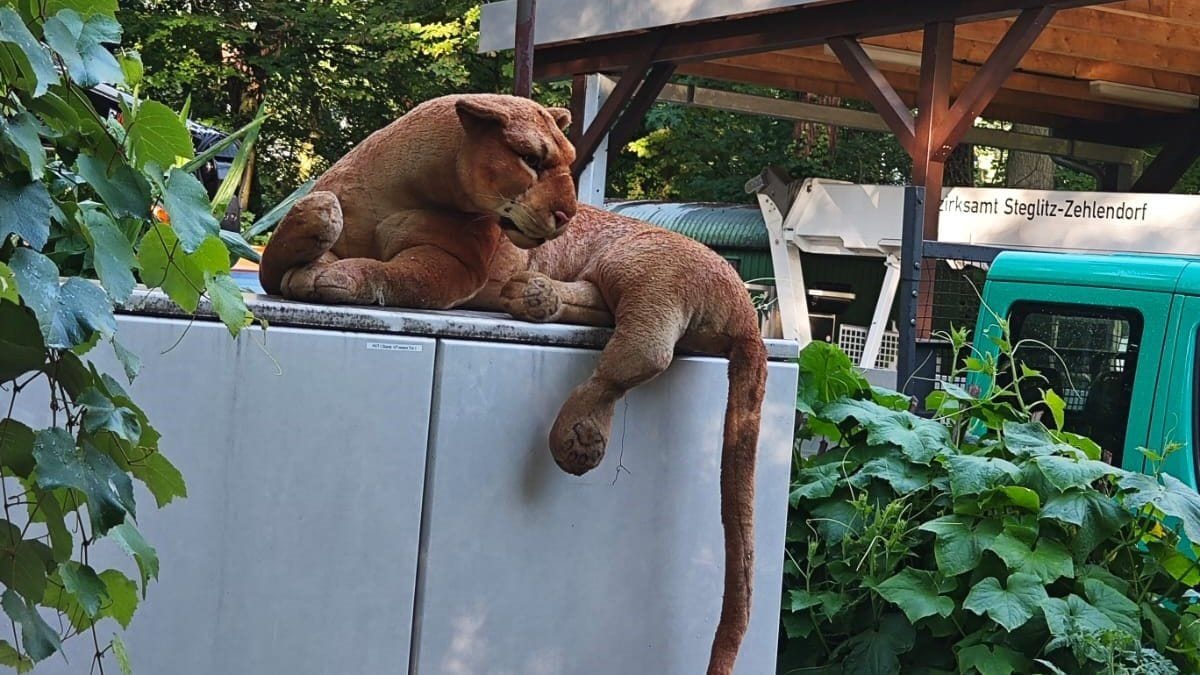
[[1168, 274], [716, 225]]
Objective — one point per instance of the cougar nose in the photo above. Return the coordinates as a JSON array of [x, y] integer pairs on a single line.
[[561, 218]]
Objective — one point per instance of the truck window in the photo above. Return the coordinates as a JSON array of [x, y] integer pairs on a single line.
[[1088, 355]]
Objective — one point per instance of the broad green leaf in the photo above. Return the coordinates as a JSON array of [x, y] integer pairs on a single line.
[[80, 43], [892, 400], [131, 363], [1172, 497], [797, 626], [38, 638], [238, 246], [60, 463], [1095, 514], [102, 414], [16, 448], [21, 348], [991, 660], [960, 542], [1013, 495], [125, 192], [23, 569], [8, 285], [180, 275], [835, 519], [802, 599], [826, 374], [228, 302], [1082, 443], [233, 178], [973, 474], [24, 211], [902, 475], [123, 597], [85, 8], [877, 650], [1010, 607], [918, 593], [1074, 615], [1065, 473], [131, 67], [1027, 438], [60, 537], [85, 585], [112, 254], [122, 655], [58, 598], [816, 482], [143, 553], [21, 131], [920, 439], [1057, 406], [67, 314], [157, 136], [1122, 611], [187, 203], [9, 656], [1048, 561], [32, 59]]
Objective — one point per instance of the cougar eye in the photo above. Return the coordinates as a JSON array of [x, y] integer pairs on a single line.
[[532, 161]]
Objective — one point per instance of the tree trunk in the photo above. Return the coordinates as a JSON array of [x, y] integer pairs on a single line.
[[1028, 170]]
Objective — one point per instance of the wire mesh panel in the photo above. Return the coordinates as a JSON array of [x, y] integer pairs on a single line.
[[853, 340]]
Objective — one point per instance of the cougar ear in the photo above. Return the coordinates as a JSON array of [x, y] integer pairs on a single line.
[[562, 117], [479, 113]]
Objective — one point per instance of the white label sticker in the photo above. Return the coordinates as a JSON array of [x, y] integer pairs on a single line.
[[394, 347]]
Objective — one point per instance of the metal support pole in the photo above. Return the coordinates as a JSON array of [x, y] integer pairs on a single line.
[[911, 252], [883, 309], [523, 58]]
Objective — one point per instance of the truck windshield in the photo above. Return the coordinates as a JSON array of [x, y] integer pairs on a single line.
[[1088, 355]]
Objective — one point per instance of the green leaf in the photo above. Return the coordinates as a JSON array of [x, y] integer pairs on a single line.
[[9, 656], [122, 655], [8, 285], [816, 482], [80, 43], [1082, 443], [1122, 611], [102, 414], [836, 519], [960, 542], [21, 349], [991, 660], [187, 203], [165, 265], [1027, 438], [1057, 406], [238, 246], [131, 67], [112, 254], [143, 553], [85, 8], [108, 490], [1013, 495], [38, 639], [920, 439], [902, 475], [123, 596], [124, 192], [1172, 497], [22, 132], [972, 474], [157, 136], [85, 585], [60, 537], [826, 373], [228, 302], [1049, 561], [16, 448], [877, 650], [1075, 615], [37, 70], [233, 178], [1065, 473], [918, 593], [1010, 607], [1095, 514], [130, 362], [67, 314], [23, 569], [24, 211]]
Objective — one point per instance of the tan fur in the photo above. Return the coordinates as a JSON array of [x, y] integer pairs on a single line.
[[399, 221]]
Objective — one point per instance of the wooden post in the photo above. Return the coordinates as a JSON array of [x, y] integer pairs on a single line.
[[523, 57]]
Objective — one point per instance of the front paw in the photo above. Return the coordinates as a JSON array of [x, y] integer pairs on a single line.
[[322, 283], [531, 296]]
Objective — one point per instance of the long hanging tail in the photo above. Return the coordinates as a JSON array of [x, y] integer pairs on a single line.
[[310, 229], [743, 413]]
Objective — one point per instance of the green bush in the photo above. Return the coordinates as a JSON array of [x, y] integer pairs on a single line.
[[979, 540]]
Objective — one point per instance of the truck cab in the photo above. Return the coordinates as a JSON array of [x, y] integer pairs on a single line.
[[1116, 336]]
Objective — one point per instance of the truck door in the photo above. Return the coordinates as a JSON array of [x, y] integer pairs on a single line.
[[1177, 408], [1099, 348]]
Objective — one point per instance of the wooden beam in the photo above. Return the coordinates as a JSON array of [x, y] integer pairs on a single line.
[[933, 103], [578, 98], [979, 92], [879, 91], [646, 95], [795, 27], [523, 58], [1168, 167], [607, 115]]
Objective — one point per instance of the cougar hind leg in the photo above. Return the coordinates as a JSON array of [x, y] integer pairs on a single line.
[[637, 353], [304, 237]]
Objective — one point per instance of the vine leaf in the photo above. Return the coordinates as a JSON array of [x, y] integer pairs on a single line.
[[131, 363], [8, 285], [228, 302], [816, 482], [161, 477], [108, 490], [1122, 611], [9, 656], [122, 591], [16, 448], [181, 275], [1095, 514], [25, 212], [23, 568], [960, 542], [1065, 473], [124, 192], [85, 8], [67, 314], [903, 476], [143, 553], [919, 439], [37, 70], [1172, 497], [102, 414], [991, 660], [157, 136], [918, 593], [972, 474], [21, 131], [38, 639], [1010, 607], [80, 43], [112, 254], [1027, 438], [85, 585], [20, 342], [122, 654], [877, 651], [187, 204], [1074, 615], [1049, 561]]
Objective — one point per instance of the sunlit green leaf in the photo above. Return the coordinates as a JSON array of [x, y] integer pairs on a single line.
[[228, 302], [123, 596], [80, 43], [157, 136]]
